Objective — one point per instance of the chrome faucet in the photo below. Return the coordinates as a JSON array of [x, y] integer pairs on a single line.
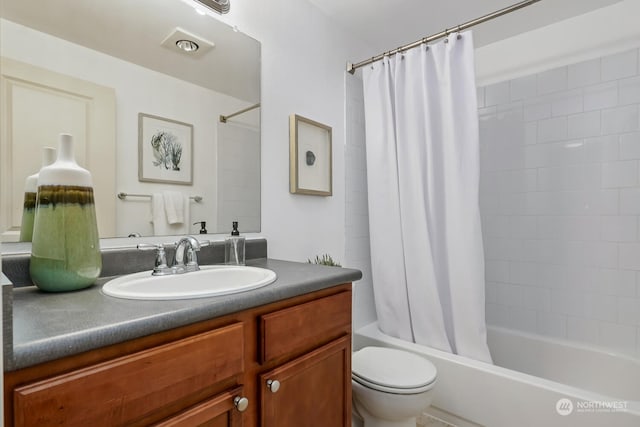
[[185, 259]]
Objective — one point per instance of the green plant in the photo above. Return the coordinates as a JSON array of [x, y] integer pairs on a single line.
[[324, 260]]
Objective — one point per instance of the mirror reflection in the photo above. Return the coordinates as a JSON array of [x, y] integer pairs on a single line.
[[162, 102]]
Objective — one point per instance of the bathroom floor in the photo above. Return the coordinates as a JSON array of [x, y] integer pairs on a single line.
[[427, 420]]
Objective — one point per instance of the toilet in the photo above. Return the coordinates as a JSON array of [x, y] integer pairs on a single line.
[[391, 387]]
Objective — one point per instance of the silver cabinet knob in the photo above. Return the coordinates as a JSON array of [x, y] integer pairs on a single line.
[[242, 403], [273, 385]]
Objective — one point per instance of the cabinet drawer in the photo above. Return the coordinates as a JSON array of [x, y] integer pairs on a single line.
[[135, 389], [305, 326]]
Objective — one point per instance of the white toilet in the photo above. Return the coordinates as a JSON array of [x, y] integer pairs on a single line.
[[391, 387]]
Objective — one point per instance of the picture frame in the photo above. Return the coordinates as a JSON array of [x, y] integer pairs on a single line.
[[165, 150], [310, 157]]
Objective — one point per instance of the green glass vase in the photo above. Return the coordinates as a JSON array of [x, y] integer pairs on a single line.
[[30, 190], [65, 250]]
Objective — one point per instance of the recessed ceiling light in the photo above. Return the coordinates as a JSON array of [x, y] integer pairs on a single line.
[[187, 45]]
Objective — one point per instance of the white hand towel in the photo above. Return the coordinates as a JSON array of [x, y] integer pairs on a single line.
[[158, 215], [161, 226], [174, 206]]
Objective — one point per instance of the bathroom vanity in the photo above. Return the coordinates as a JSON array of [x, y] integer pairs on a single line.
[[276, 356]]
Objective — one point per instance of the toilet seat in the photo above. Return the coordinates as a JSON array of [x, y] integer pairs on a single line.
[[392, 371]]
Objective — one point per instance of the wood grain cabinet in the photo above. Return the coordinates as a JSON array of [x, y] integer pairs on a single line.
[[285, 364]]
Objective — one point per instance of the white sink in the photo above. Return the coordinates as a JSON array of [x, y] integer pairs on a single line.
[[210, 280]]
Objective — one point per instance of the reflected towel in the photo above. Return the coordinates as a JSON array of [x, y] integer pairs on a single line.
[[159, 216], [174, 206]]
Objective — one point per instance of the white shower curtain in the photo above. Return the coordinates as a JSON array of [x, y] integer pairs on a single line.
[[423, 178]]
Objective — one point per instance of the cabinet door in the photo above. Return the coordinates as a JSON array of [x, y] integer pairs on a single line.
[[314, 389], [219, 411]]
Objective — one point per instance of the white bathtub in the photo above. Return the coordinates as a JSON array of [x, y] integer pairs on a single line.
[[531, 375]]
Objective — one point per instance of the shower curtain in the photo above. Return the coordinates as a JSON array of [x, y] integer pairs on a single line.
[[423, 178]]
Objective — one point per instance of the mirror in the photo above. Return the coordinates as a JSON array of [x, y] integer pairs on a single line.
[[108, 72]]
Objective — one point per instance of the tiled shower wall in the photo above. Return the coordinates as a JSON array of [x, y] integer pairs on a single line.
[[357, 252], [560, 202]]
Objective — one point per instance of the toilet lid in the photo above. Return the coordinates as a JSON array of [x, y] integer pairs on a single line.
[[390, 369]]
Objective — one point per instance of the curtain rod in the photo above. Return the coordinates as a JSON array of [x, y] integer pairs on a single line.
[[351, 68], [223, 119]]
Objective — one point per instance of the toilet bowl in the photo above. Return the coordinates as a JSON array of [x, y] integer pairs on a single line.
[[391, 387]]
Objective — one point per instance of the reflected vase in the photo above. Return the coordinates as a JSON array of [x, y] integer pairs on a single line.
[[30, 190], [65, 251]]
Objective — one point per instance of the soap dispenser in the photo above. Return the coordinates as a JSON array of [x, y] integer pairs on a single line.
[[234, 247], [203, 226]]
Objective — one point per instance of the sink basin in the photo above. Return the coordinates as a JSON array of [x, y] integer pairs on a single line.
[[210, 280]]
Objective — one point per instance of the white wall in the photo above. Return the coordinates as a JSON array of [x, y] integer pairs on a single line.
[[138, 90], [303, 61]]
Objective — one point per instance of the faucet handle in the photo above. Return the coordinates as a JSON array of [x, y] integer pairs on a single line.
[[160, 265]]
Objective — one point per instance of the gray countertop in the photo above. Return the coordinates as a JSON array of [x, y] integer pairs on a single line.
[[50, 326]]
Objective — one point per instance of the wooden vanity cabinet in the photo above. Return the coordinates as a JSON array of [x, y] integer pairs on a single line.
[[198, 374]]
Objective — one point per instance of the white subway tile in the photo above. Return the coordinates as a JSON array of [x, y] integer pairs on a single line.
[[523, 88], [513, 203], [583, 330], [495, 225], [619, 228], [522, 319], [551, 276], [496, 314], [581, 278], [480, 97], [601, 307], [598, 97], [620, 174], [630, 146], [537, 298], [583, 125], [569, 102], [519, 181], [618, 337], [629, 311], [530, 133], [496, 94], [497, 271], [490, 292], [537, 109], [620, 120], [551, 324], [583, 227], [522, 227], [616, 282], [552, 81], [554, 129], [629, 91], [502, 249], [630, 201], [523, 273], [606, 202], [629, 254], [584, 73], [566, 302], [601, 148], [510, 295], [620, 65], [536, 156]]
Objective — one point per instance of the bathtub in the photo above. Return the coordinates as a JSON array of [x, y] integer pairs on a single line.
[[525, 387]]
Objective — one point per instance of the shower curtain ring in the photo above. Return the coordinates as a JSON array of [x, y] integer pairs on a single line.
[[458, 31], [446, 35]]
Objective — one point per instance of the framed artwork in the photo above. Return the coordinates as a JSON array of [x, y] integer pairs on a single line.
[[310, 164], [165, 150]]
